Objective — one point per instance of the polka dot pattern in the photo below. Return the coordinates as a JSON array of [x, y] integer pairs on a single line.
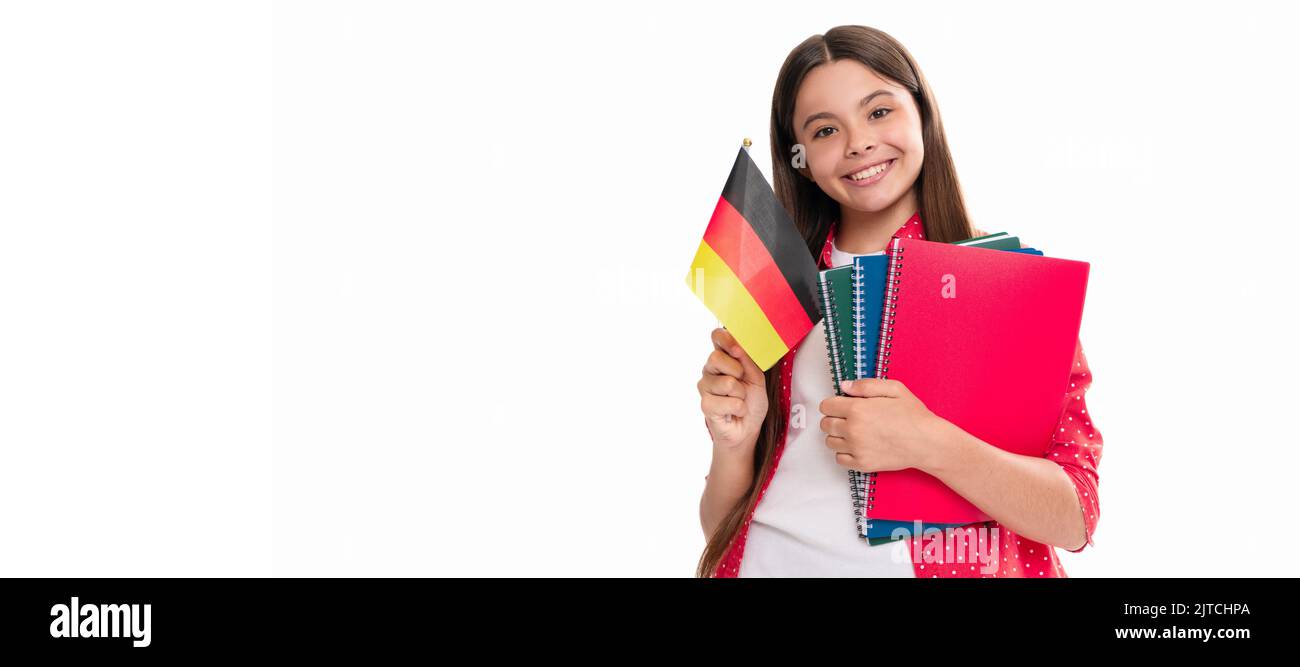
[[1076, 447]]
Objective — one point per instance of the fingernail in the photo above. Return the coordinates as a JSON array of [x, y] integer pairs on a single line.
[[844, 385]]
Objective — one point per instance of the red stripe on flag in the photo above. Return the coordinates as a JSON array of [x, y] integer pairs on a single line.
[[731, 236]]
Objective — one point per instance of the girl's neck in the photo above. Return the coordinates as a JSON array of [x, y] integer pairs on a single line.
[[863, 232]]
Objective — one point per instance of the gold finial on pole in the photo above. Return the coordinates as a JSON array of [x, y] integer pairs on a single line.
[[748, 143]]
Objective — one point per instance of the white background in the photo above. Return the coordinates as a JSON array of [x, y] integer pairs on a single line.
[[345, 288]]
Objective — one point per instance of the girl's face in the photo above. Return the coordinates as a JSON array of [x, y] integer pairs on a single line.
[[861, 133]]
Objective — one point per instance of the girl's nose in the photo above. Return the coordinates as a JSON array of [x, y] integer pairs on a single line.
[[860, 142]]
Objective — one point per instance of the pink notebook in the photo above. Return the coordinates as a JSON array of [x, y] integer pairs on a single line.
[[985, 339]]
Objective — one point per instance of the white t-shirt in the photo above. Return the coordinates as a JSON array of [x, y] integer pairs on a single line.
[[804, 525]]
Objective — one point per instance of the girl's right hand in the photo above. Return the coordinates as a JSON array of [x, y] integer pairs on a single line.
[[733, 395]]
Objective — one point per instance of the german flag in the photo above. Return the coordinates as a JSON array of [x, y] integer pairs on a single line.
[[753, 269]]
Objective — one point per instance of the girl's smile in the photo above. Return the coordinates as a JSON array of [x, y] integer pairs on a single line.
[[870, 174]]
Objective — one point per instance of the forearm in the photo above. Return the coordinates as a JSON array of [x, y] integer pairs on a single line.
[[730, 476], [1031, 496]]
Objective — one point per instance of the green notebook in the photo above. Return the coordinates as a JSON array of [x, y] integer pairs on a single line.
[[999, 241], [835, 295], [835, 299]]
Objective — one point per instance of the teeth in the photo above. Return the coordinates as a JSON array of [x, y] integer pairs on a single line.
[[868, 173]]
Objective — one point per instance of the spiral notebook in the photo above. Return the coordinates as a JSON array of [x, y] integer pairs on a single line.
[[835, 298], [985, 339], [869, 281], [850, 299]]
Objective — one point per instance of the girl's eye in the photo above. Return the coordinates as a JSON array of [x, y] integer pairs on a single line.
[[882, 115], [819, 134]]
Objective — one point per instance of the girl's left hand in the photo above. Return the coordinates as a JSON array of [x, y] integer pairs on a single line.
[[880, 426]]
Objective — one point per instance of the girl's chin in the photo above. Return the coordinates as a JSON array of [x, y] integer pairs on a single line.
[[867, 203]]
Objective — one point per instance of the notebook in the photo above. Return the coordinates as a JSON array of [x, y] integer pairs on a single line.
[[850, 298], [868, 298], [835, 300], [994, 242], [985, 339]]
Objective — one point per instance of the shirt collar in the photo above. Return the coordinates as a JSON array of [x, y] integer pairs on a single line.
[[912, 229]]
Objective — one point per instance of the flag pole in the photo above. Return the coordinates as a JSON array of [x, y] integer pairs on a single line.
[[748, 143]]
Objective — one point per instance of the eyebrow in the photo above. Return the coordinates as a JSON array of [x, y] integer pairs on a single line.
[[826, 114]]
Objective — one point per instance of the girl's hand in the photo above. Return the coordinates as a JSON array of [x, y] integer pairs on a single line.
[[880, 426], [733, 395]]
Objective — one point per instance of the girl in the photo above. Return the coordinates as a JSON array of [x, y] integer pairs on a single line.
[[859, 157]]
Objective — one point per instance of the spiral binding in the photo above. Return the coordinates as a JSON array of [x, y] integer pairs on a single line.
[[887, 317], [887, 314], [858, 314], [859, 484], [835, 355]]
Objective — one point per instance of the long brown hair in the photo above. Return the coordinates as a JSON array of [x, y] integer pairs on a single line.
[[942, 209]]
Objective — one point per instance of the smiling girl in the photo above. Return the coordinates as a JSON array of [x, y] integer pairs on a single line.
[[859, 157]]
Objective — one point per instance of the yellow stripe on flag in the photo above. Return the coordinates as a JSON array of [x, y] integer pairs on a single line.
[[718, 287]]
